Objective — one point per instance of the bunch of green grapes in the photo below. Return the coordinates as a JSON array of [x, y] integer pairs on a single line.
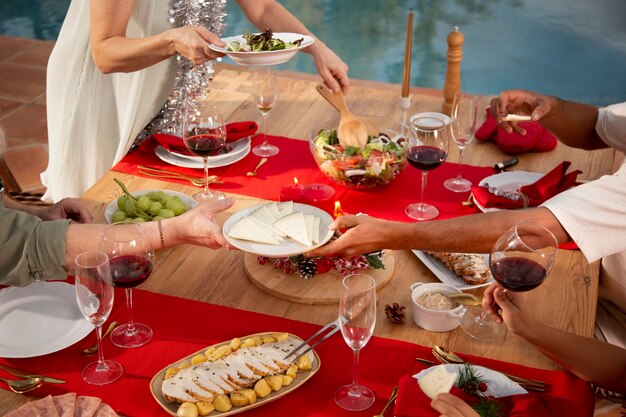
[[153, 205]]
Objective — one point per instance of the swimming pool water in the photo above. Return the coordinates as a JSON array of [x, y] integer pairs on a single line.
[[574, 49]]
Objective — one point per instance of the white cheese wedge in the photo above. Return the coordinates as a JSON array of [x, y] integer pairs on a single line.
[[247, 229], [516, 118], [285, 208], [437, 381], [269, 228], [273, 208], [316, 230], [263, 213], [293, 225]]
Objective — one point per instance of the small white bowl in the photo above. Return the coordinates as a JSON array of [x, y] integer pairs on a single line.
[[434, 320]]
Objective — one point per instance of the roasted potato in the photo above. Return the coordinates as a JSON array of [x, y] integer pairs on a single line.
[[198, 359], [292, 371], [187, 409], [286, 380], [205, 408], [304, 363], [249, 342], [280, 336], [268, 339], [222, 403], [274, 381], [250, 394], [238, 399], [262, 388], [171, 371], [235, 344]]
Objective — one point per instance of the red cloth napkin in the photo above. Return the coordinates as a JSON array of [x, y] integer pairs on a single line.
[[234, 132], [177, 334], [541, 190], [537, 138]]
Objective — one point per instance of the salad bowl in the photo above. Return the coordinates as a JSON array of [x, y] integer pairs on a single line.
[[374, 165]]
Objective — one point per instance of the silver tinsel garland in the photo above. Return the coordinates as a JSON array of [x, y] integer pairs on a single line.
[[192, 81]]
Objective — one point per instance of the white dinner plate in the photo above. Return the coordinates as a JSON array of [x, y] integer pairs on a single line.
[[40, 318], [112, 206], [447, 276], [241, 148], [435, 115], [498, 384], [262, 58], [507, 181], [288, 246]]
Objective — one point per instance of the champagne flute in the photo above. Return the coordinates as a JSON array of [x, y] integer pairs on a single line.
[[131, 258], [465, 118], [520, 261], [265, 95], [426, 151], [94, 295], [357, 318], [204, 135]]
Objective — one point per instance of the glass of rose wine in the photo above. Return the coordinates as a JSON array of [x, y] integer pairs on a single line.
[[357, 318], [94, 295], [427, 151], [520, 261], [131, 259], [467, 116], [265, 95], [204, 135]]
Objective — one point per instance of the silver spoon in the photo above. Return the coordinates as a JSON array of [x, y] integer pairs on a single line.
[[23, 385], [464, 298], [92, 350]]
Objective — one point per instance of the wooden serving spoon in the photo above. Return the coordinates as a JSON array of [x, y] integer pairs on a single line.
[[352, 130]]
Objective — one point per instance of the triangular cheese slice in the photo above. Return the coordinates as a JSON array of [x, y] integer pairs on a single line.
[[269, 228], [437, 381], [247, 229], [273, 208], [316, 237], [285, 207], [263, 213], [294, 226]]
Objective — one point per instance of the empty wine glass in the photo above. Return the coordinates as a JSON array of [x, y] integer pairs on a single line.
[[466, 113], [131, 258], [426, 151], [265, 94], [204, 135], [357, 318], [94, 294], [520, 260]]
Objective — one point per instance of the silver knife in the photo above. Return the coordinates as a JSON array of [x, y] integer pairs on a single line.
[[26, 374]]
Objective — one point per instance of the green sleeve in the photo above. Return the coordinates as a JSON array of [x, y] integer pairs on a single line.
[[30, 249]]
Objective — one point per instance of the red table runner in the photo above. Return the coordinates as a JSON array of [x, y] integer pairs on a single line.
[[182, 327], [295, 160]]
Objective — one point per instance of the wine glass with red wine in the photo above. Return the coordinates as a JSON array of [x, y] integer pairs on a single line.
[[520, 261], [131, 259], [204, 135], [265, 95], [426, 152]]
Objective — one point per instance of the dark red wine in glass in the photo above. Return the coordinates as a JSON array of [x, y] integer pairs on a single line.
[[426, 158], [128, 271], [205, 144], [518, 274]]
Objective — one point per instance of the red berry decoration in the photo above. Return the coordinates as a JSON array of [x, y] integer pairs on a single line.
[[482, 387]]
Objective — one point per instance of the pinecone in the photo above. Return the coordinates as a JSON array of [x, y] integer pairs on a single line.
[[395, 313], [307, 268]]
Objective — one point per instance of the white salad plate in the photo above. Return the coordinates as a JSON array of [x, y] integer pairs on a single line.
[[447, 276], [288, 246], [509, 181], [40, 318], [111, 208], [240, 149], [498, 384], [262, 58]]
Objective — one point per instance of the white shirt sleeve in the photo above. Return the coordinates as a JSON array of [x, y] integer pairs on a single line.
[[611, 125]]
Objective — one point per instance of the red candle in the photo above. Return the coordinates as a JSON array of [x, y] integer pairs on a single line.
[[320, 196], [291, 192]]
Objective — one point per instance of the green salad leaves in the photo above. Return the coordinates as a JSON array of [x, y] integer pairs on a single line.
[[262, 42]]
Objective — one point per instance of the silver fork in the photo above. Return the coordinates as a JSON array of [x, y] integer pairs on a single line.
[[332, 325]]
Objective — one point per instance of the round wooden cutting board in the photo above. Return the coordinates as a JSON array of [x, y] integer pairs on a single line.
[[321, 289]]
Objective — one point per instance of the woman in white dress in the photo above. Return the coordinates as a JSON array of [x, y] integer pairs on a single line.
[[112, 69]]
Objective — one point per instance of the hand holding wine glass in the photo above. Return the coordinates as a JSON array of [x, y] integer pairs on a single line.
[[357, 318], [520, 260], [265, 95], [427, 151], [466, 119], [94, 295], [204, 135], [131, 258]]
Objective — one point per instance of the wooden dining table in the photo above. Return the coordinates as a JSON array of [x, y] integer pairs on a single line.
[[567, 300]]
